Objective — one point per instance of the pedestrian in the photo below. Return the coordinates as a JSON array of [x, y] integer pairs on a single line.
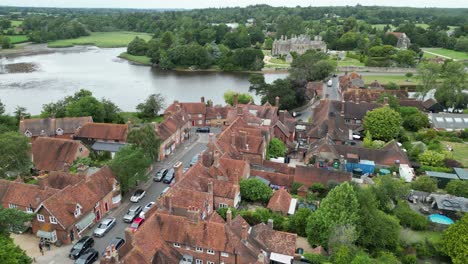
[[41, 248]]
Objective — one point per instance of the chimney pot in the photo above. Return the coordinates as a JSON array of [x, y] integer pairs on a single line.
[[178, 173], [245, 232], [270, 223], [277, 101], [229, 217]]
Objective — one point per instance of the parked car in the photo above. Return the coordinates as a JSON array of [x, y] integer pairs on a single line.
[[137, 196], [194, 160], [330, 83], [203, 130], [169, 178], [81, 246], [164, 191], [132, 213], [104, 227], [160, 175], [146, 209], [117, 242], [89, 257], [136, 224]]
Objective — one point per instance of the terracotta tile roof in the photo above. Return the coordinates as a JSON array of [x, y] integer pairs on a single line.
[[371, 96], [171, 124], [183, 198], [49, 126], [214, 112], [328, 121], [386, 156], [26, 195], [4, 185], [198, 181], [59, 179], [358, 110], [103, 131], [412, 103], [311, 175], [280, 201], [429, 103], [275, 241], [50, 154], [189, 108], [282, 128], [275, 178]]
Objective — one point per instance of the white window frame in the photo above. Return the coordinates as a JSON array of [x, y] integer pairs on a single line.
[[177, 245], [210, 251], [198, 261], [199, 249], [200, 122], [222, 205], [53, 220], [40, 218], [224, 254], [200, 115], [29, 210], [12, 206]]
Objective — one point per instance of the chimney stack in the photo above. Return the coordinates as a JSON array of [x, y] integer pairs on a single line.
[[202, 99], [233, 139], [229, 217], [385, 101], [194, 214], [235, 100], [277, 101], [243, 139], [270, 223], [281, 116], [245, 232], [168, 199], [240, 111], [210, 187], [216, 157], [178, 173], [342, 108], [211, 138]]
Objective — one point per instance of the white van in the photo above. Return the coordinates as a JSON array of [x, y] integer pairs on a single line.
[[330, 83]]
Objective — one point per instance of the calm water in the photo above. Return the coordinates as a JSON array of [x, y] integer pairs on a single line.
[[99, 70]]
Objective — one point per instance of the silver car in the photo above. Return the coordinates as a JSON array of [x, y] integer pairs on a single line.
[[132, 213], [104, 226]]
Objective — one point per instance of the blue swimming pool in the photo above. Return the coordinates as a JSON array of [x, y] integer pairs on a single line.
[[440, 219]]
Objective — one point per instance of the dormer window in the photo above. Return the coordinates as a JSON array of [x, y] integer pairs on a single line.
[[28, 133], [59, 131], [77, 210]]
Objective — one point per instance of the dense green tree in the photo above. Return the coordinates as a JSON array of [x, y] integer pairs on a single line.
[[406, 58], [57, 109], [283, 89], [146, 139], [189, 55], [5, 42], [392, 86], [111, 112], [8, 124], [298, 221], [425, 184], [455, 241], [14, 154], [383, 123], [242, 98], [167, 40], [392, 100], [432, 158], [21, 113], [2, 108], [12, 219], [390, 39], [207, 35], [255, 190], [137, 47], [388, 191], [451, 93], [151, 107], [256, 35], [339, 208], [428, 73], [10, 253], [276, 148], [311, 66], [268, 44], [86, 106], [130, 165], [457, 188], [410, 218], [348, 41], [289, 25], [5, 24], [154, 50], [462, 44], [248, 58], [413, 119], [367, 142]]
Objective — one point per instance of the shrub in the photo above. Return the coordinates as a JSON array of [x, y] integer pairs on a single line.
[[314, 258], [425, 184], [410, 218], [457, 188], [295, 186], [255, 190]]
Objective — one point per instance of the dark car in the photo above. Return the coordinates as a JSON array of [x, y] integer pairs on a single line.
[[118, 242], [203, 130], [170, 176], [160, 175], [87, 258], [81, 247]]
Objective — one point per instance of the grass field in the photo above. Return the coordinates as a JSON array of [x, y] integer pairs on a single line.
[[138, 59], [456, 55], [16, 23], [410, 237], [278, 61], [383, 79], [425, 26], [18, 39], [101, 39], [460, 151], [349, 62]]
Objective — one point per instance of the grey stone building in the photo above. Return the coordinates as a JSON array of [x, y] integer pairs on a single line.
[[299, 44], [403, 41]]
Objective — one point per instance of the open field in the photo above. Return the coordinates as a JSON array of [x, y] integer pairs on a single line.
[[384, 79], [349, 62], [460, 151], [425, 26], [456, 55], [138, 59], [18, 38], [101, 39], [16, 23]]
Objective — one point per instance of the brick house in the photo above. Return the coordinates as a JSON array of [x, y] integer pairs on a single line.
[[53, 154], [201, 113], [282, 202], [103, 137], [65, 215], [52, 127], [173, 131]]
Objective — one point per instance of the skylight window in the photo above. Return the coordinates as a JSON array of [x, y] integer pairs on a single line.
[[449, 119]]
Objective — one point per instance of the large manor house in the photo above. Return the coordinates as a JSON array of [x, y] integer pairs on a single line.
[[299, 44]]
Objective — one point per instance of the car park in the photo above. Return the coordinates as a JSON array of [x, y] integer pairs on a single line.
[[136, 224], [132, 213], [81, 246], [160, 175], [104, 226], [87, 258], [137, 196], [203, 130]]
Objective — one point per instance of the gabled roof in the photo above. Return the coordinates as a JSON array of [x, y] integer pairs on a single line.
[[311, 175], [328, 121], [22, 194], [172, 122], [49, 126], [358, 110], [280, 201], [103, 131], [213, 112], [51, 154], [389, 155], [275, 241]]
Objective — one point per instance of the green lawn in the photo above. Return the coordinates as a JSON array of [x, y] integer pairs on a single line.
[[460, 151], [138, 59], [349, 62], [101, 39], [425, 26], [16, 23], [278, 61], [456, 55], [18, 38], [383, 79], [410, 237]]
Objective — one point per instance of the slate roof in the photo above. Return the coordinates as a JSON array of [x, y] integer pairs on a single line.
[[49, 126], [449, 121], [103, 131], [451, 203], [51, 154], [280, 201]]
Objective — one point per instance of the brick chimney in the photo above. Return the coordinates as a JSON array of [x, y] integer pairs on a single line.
[[240, 111], [193, 214], [235, 100], [168, 201], [178, 173], [385, 101], [277, 101], [282, 115], [229, 217], [216, 157], [202, 99], [270, 223], [243, 135], [244, 232], [210, 187], [233, 139]]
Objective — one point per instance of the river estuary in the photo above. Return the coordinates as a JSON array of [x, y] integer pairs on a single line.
[[65, 71]]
